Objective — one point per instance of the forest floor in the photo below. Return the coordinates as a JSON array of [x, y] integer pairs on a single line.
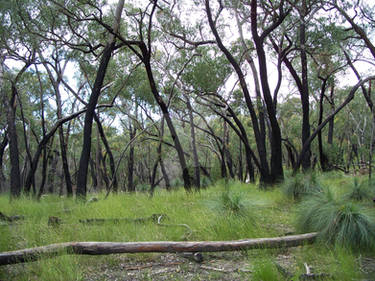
[[218, 266], [211, 215], [231, 266]]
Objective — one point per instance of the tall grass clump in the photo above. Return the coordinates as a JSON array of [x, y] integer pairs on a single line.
[[232, 202], [360, 191], [340, 223], [300, 185]]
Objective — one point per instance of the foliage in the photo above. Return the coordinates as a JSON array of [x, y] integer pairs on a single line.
[[338, 222], [360, 191], [301, 185], [232, 202]]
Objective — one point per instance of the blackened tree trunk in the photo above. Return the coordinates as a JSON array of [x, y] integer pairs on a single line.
[[93, 175], [265, 176], [53, 159], [3, 145], [109, 152], [10, 106], [324, 163], [15, 176], [161, 161], [63, 146], [331, 123], [277, 173], [348, 99], [98, 160], [132, 133], [87, 129], [164, 109], [165, 175], [44, 173], [197, 178], [240, 166], [228, 156], [306, 161]]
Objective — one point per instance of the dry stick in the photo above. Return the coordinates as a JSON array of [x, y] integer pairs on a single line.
[[106, 248], [186, 235]]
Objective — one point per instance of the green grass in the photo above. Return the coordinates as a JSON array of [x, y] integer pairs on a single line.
[[225, 211], [338, 222], [300, 185]]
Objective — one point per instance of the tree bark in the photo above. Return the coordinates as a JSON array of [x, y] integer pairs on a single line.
[[44, 142], [63, 145], [10, 105], [86, 148], [15, 176], [324, 163], [109, 152], [132, 133], [227, 155], [260, 140], [3, 145], [277, 173], [197, 178], [348, 99], [106, 248], [306, 161], [167, 117], [53, 159]]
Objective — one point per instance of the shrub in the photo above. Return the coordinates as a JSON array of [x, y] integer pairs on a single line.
[[232, 202], [339, 223], [360, 191], [300, 185], [229, 202]]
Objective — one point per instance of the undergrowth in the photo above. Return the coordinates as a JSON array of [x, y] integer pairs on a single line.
[[338, 221], [225, 211]]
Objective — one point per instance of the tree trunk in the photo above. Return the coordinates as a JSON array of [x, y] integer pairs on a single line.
[[44, 173], [109, 152], [331, 123], [167, 117], [324, 163], [348, 99], [277, 173], [240, 167], [227, 155], [132, 133], [3, 145], [260, 140], [197, 178], [306, 161], [53, 159], [15, 176], [87, 129], [93, 175], [105, 248]]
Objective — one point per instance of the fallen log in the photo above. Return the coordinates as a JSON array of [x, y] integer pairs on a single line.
[[6, 218], [106, 248], [152, 218]]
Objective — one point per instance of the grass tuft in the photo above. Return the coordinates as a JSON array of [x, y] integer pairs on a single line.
[[338, 222], [300, 185], [360, 191]]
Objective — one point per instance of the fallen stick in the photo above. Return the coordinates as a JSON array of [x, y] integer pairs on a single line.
[[153, 218], [4, 217], [106, 248]]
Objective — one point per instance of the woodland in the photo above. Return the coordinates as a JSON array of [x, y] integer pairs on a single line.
[[215, 120]]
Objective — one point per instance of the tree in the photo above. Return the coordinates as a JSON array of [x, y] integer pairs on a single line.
[[86, 148]]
